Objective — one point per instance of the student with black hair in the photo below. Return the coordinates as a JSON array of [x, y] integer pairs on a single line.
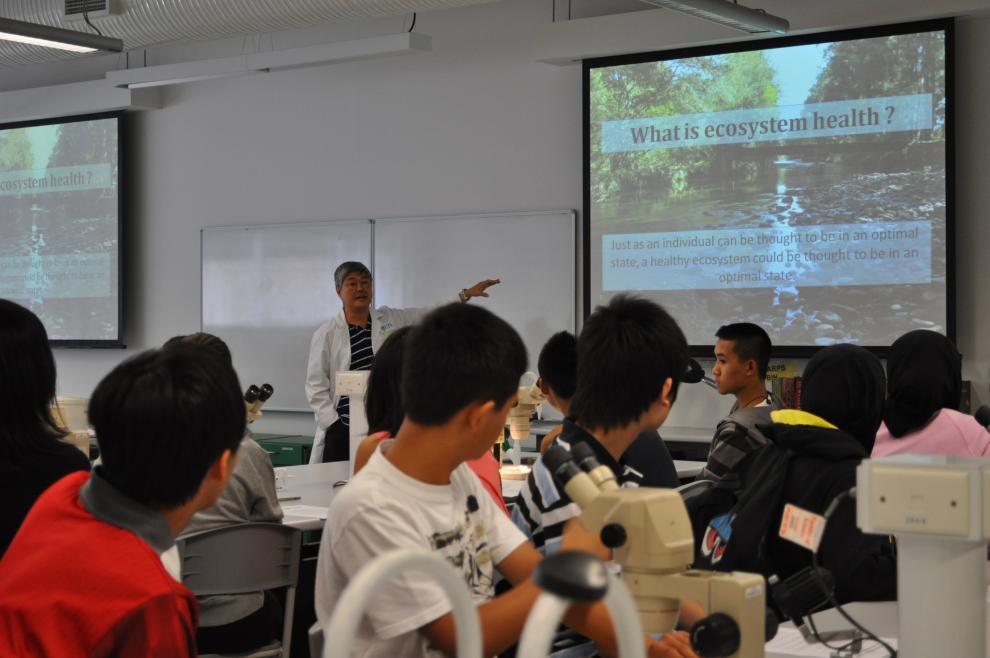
[[460, 375], [94, 570], [557, 366], [241, 622], [384, 410], [32, 455], [742, 356], [924, 387], [630, 357]]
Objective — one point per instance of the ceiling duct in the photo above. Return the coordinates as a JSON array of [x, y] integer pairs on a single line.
[[145, 23]]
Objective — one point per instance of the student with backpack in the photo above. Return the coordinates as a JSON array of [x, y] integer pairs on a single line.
[[811, 459]]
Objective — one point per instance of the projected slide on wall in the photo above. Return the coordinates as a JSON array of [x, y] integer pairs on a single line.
[[59, 225], [802, 188]]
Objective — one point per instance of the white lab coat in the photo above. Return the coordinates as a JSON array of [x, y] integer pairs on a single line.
[[330, 353]]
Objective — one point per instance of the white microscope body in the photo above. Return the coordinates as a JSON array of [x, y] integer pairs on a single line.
[[938, 508], [650, 533]]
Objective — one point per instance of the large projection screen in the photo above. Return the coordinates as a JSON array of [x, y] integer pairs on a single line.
[[60, 226], [803, 184]]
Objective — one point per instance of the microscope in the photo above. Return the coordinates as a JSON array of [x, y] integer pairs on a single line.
[[518, 422], [519, 415], [650, 535], [255, 398]]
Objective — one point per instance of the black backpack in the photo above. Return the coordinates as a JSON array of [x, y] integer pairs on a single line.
[[732, 519]]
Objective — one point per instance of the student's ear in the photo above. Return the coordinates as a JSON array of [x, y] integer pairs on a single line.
[[658, 411], [665, 398], [222, 468], [216, 478], [478, 414]]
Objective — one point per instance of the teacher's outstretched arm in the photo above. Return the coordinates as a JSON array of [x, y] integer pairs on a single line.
[[478, 289]]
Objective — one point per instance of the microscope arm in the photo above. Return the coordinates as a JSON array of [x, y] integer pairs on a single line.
[[350, 609]]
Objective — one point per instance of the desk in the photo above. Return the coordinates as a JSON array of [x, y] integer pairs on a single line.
[[880, 618], [312, 484], [687, 434]]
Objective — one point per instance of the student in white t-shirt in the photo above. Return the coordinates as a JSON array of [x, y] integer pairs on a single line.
[[460, 374]]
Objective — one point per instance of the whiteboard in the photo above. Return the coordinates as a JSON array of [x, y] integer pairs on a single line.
[[421, 261], [267, 288]]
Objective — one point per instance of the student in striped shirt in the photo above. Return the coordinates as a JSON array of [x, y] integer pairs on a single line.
[[630, 356]]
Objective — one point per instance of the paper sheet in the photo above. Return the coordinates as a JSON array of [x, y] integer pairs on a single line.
[[305, 511], [790, 642]]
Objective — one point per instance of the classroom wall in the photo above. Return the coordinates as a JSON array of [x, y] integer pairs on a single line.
[[474, 126]]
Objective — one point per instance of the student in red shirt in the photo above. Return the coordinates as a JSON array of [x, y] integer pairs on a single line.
[[94, 570]]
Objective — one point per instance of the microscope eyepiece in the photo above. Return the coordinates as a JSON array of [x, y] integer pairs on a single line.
[[555, 457], [252, 393], [585, 457]]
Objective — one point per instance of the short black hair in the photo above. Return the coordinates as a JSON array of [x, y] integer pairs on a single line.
[[456, 355], [557, 364], [162, 418], [626, 352], [383, 398], [751, 342]]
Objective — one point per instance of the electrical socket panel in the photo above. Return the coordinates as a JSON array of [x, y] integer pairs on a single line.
[[351, 382], [943, 497]]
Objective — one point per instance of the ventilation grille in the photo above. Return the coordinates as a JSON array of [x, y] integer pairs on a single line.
[[74, 9]]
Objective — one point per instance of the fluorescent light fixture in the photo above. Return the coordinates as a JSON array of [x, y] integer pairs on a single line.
[[176, 74], [330, 53], [56, 37], [729, 14]]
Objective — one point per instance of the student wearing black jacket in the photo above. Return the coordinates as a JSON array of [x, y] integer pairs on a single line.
[[841, 409]]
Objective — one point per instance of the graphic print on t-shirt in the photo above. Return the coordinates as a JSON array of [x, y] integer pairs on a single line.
[[466, 547]]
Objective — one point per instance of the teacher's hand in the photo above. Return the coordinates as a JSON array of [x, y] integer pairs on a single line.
[[478, 289]]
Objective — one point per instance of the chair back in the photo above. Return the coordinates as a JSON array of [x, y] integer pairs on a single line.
[[241, 558], [244, 558], [693, 490]]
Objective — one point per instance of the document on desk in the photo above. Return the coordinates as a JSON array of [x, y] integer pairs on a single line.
[[305, 511], [790, 642]]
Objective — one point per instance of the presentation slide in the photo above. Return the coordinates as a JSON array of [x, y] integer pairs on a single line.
[[59, 249], [802, 188]]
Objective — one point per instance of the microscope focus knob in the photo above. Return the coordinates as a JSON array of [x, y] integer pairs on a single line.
[[715, 636], [613, 535], [574, 575]]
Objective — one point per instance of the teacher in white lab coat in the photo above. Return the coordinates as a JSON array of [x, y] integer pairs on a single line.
[[348, 341]]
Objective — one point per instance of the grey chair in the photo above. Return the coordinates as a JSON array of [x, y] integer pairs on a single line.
[[316, 641], [245, 558]]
